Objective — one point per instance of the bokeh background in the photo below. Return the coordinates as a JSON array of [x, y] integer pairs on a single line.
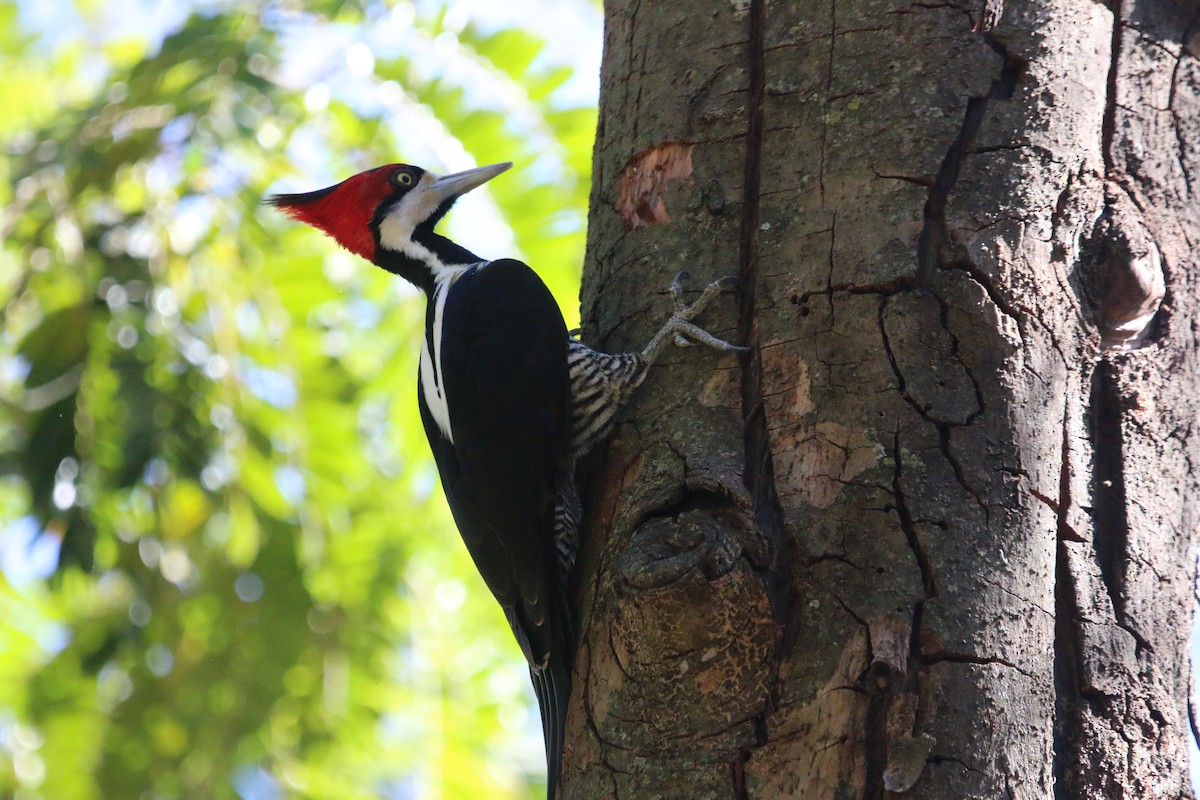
[[226, 568]]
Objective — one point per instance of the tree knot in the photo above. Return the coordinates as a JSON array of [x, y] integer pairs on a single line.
[[1124, 280]]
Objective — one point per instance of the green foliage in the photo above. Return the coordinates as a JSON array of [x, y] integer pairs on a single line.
[[212, 412]]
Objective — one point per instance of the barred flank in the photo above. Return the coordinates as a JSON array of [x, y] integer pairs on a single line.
[[600, 383]]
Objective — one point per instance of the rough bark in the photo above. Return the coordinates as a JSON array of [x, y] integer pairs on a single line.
[[936, 536]]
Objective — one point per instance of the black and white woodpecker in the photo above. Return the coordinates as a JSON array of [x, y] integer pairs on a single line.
[[510, 401]]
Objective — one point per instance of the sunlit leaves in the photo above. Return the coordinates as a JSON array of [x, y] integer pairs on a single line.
[[207, 412]]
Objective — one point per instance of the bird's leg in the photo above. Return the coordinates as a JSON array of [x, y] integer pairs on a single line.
[[601, 383], [680, 329]]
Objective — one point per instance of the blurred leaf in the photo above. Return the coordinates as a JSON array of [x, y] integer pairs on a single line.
[[56, 346], [210, 411]]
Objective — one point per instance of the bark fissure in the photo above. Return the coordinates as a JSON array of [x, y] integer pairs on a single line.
[[1063, 506], [908, 527], [1066, 731], [1003, 305], [905, 283], [938, 656], [1110, 526], [759, 472], [933, 232], [1191, 712], [738, 774], [875, 739], [1109, 123], [942, 426], [1176, 122], [828, 92]]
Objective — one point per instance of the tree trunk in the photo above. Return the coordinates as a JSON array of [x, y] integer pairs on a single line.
[[936, 536]]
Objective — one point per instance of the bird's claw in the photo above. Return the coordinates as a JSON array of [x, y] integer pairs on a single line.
[[688, 334], [680, 329], [688, 311], [677, 291]]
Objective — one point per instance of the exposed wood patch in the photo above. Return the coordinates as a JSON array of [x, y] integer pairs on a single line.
[[863, 723], [645, 180]]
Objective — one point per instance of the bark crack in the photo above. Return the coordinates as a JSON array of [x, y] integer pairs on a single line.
[[951, 657], [1176, 123], [1063, 505], [942, 426], [933, 232], [909, 528], [1109, 124], [759, 473], [904, 283], [828, 91], [984, 281], [1065, 676], [1110, 525]]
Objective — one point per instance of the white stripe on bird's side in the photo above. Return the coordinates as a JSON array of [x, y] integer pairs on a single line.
[[432, 381]]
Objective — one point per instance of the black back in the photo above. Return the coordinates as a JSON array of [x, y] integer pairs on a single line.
[[504, 370]]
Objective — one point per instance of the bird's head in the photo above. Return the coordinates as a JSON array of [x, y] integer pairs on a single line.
[[387, 216]]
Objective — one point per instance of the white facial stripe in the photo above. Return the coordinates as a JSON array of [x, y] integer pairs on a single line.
[[396, 229]]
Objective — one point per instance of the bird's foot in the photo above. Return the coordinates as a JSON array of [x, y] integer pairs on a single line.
[[687, 334], [680, 328]]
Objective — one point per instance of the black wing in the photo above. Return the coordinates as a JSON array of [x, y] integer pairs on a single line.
[[504, 373]]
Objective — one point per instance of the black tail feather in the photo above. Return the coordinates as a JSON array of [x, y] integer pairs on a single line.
[[552, 685], [553, 691]]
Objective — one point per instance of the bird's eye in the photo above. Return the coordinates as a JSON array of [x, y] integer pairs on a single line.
[[404, 179]]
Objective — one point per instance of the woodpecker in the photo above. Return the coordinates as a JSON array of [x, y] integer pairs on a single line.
[[509, 400]]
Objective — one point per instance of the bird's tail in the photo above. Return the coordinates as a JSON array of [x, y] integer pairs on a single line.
[[552, 685]]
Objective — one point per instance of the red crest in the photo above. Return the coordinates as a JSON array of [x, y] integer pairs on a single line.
[[344, 211]]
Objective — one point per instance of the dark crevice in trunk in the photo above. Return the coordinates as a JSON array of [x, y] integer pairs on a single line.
[[1066, 678], [1109, 124], [759, 473], [933, 233], [875, 742], [1179, 124], [900, 500], [738, 774], [910, 530], [1110, 527], [1065, 531], [916, 653], [885, 684]]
